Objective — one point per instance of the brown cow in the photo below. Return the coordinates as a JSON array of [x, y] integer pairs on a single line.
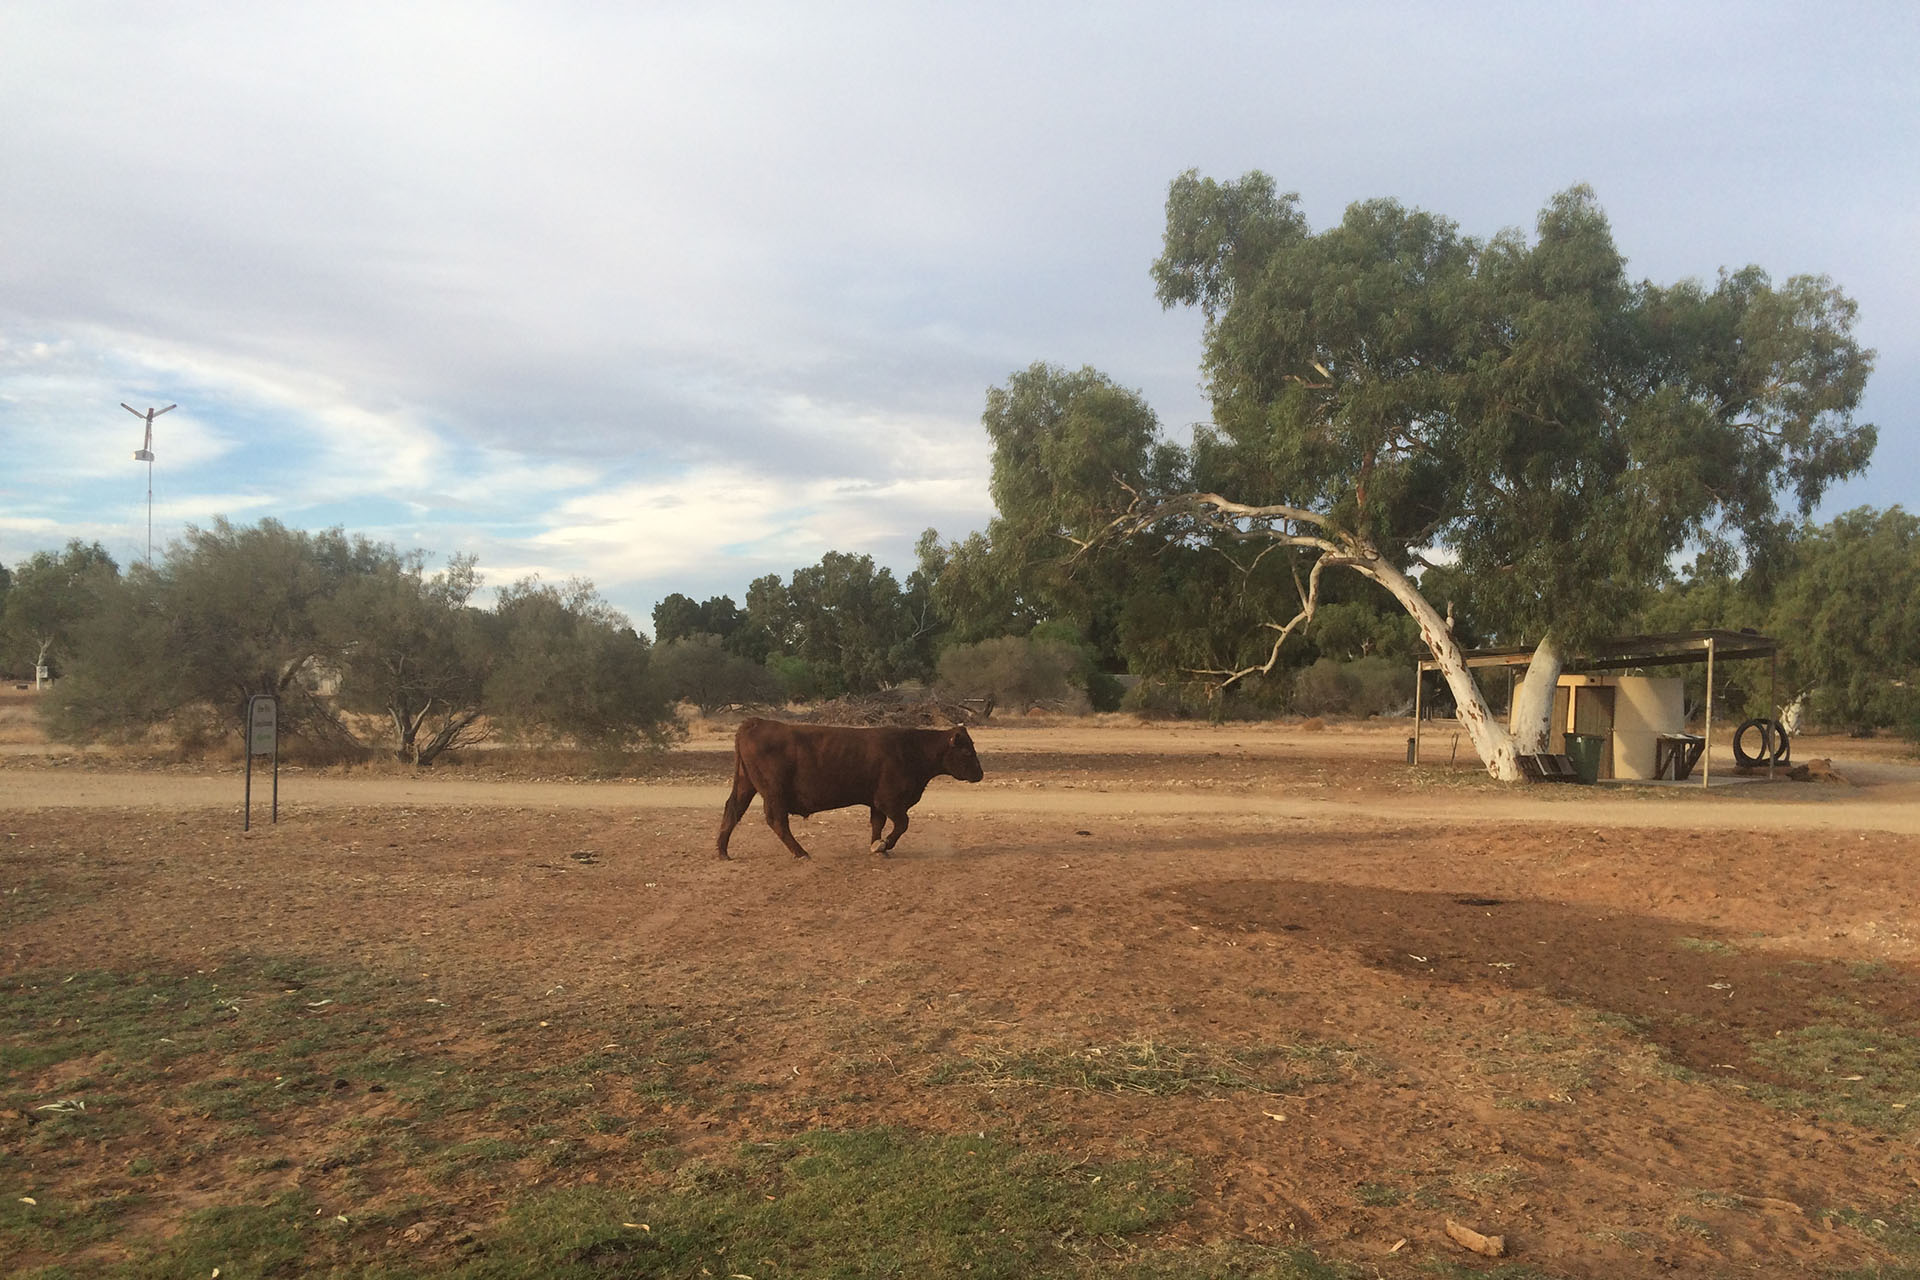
[[804, 769]]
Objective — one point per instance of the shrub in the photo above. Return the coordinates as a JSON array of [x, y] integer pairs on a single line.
[[804, 681], [698, 669], [1015, 671], [1381, 686], [1325, 688]]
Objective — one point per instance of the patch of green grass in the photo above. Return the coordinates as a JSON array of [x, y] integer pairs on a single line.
[[1897, 1231], [1855, 1068], [874, 1202], [1379, 1194], [1712, 946], [55, 1226], [465, 1158], [1162, 1070]]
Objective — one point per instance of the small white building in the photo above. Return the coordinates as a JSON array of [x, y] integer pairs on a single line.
[[1629, 713], [1641, 719]]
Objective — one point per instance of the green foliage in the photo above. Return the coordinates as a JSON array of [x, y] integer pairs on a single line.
[[232, 611], [1849, 608], [570, 667], [411, 649], [848, 620], [803, 681], [1020, 672], [677, 617], [699, 669], [47, 601], [330, 622], [1255, 698], [1322, 689], [1352, 629], [1516, 401], [1068, 447], [1844, 601], [1368, 686], [1192, 610], [976, 593], [1061, 441]]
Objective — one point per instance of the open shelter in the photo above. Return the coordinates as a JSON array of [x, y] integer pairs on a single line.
[[1673, 749]]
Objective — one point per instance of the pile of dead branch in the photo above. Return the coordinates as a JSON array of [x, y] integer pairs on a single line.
[[906, 708]]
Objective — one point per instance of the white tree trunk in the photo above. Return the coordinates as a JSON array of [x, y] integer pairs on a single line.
[[1796, 711], [1242, 521], [1533, 700], [1489, 737]]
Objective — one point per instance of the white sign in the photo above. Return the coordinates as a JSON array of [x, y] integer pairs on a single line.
[[262, 718]]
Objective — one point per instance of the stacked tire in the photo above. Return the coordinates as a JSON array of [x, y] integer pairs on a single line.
[[1774, 747]]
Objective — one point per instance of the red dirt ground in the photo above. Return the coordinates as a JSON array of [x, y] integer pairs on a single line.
[[1534, 1011]]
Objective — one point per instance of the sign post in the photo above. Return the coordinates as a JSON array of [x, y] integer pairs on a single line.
[[263, 739]]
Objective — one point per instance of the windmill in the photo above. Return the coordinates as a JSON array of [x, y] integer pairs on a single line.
[[145, 454]]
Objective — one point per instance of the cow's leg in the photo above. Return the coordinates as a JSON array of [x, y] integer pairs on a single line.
[[736, 806], [777, 819], [879, 821], [899, 829]]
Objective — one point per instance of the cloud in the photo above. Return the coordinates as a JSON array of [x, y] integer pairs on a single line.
[[510, 278]]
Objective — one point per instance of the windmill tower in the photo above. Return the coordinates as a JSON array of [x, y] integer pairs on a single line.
[[145, 454]]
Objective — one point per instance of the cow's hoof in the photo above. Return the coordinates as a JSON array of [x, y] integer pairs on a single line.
[[723, 856], [878, 846], [803, 857]]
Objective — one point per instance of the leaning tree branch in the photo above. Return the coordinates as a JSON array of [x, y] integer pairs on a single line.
[[1309, 602]]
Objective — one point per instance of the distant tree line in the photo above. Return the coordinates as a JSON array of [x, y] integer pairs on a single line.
[[366, 649], [340, 629], [1421, 442]]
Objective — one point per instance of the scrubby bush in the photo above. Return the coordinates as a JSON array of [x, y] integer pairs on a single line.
[[1381, 687], [1015, 671], [802, 680], [698, 669], [1323, 689], [1249, 699], [1364, 687]]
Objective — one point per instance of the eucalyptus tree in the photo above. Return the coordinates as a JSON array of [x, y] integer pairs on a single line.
[[1388, 389], [678, 617], [568, 665], [414, 650], [1848, 607], [1062, 440], [698, 668], [47, 599], [846, 621], [230, 611]]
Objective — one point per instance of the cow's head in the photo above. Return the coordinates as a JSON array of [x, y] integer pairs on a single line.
[[958, 757]]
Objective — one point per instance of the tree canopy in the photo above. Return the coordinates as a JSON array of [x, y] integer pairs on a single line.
[[333, 624], [45, 602], [1389, 390]]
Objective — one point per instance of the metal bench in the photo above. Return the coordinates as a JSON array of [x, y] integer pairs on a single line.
[[1547, 767]]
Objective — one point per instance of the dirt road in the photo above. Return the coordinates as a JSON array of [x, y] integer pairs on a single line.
[[1259, 772]]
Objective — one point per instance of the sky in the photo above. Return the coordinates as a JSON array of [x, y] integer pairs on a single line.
[[675, 295]]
